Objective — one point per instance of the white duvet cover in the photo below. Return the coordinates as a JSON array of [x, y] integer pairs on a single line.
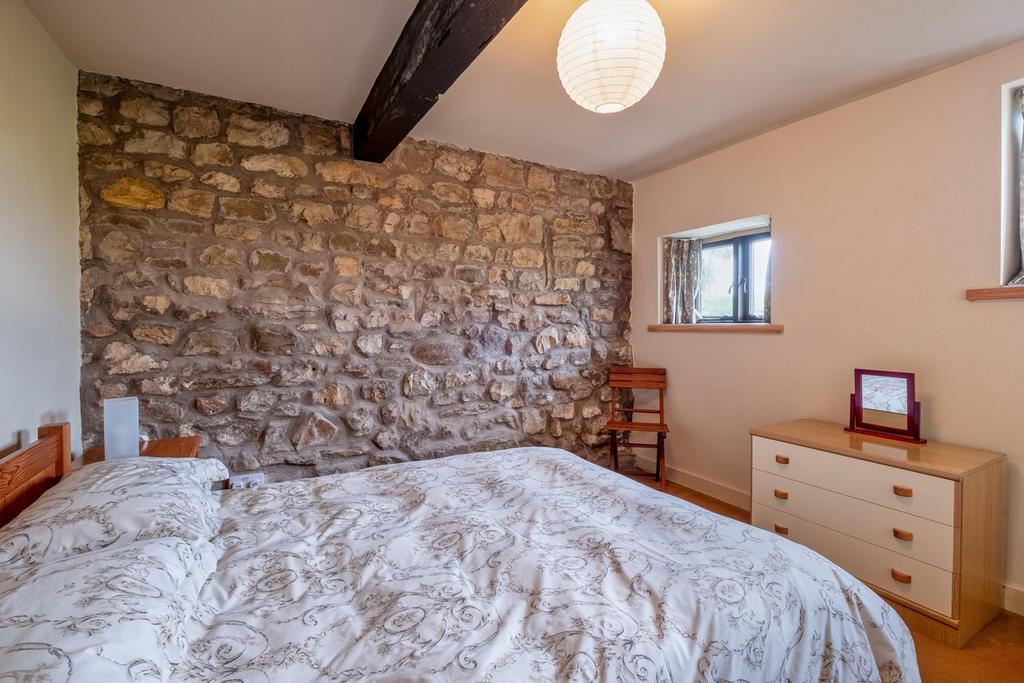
[[525, 564], [517, 565]]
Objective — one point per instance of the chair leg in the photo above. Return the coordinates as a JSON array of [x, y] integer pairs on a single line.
[[615, 450], [659, 465]]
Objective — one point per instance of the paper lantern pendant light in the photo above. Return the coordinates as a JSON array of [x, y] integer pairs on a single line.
[[610, 53]]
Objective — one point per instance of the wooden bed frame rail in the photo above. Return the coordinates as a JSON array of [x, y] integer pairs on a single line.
[[26, 473]]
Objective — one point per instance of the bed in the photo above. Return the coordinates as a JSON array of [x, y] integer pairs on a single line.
[[514, 565]]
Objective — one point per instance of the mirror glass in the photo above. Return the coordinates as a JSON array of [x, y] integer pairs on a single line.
[[884, 401]]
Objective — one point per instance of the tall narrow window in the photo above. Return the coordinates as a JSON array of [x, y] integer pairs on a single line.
[[1017, 124]]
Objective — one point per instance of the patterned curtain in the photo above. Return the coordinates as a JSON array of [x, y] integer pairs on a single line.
[[768, 288], [682, 273], [1019, 280]]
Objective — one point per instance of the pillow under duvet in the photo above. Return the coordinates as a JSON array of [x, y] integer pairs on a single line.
[[113, 503]]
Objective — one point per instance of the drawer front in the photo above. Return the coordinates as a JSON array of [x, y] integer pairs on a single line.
[[927, 586], [923, 495], [906, 534]]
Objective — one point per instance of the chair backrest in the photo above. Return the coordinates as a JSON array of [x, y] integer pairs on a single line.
[[620, 377]]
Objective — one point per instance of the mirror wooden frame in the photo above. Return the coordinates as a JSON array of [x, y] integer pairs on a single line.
[[911, 434]]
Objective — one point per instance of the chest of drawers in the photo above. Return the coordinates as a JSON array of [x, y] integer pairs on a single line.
[[923, 525]]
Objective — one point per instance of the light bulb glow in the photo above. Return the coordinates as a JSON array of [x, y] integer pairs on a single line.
[[610, 53]]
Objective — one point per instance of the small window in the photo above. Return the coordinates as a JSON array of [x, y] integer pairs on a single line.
[[718, 273], [733, 285]]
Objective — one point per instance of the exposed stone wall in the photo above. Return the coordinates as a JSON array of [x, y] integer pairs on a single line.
[[306, 313]]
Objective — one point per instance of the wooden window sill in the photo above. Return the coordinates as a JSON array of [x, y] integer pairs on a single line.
[[1004, 293], [720, 328]]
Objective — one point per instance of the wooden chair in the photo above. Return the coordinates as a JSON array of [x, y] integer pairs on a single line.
[[638, 378]]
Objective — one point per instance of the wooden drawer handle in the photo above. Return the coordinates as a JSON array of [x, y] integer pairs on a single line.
[[902, 534], [780, 529], [903, 491], [900, 576], [782, 459], [781, 495]]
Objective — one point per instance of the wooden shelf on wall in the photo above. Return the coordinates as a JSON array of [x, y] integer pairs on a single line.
[[1004, 293], [720, 328]]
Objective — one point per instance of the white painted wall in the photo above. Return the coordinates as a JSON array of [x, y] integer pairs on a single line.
[[39, 271], [883, 212]]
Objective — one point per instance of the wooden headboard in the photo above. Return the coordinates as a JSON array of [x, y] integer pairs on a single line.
[[26, 473]]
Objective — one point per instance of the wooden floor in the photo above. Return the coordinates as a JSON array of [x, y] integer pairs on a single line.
[[995, 654]]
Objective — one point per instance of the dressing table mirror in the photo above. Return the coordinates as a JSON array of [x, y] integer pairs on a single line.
[[884, 404]]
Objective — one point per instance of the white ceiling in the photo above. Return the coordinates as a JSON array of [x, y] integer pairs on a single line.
[[734, 67], [315, 57]]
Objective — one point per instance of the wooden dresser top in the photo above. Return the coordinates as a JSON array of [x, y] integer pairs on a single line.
[[937, 459]]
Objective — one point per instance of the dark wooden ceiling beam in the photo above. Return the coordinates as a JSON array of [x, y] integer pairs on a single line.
[[440, 40]]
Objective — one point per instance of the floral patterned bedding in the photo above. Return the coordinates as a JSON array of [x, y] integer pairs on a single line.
[[516, 565], [112, 503]]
